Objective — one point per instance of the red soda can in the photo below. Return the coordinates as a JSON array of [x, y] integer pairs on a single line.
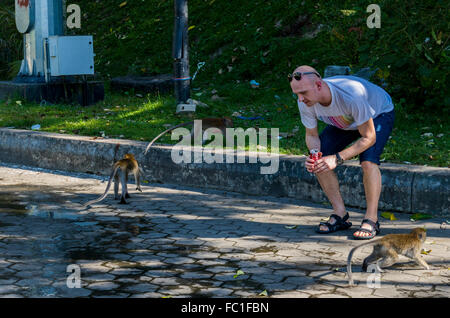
[[315, 154]]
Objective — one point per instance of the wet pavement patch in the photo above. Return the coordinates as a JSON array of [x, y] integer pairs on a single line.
[[9, 204]]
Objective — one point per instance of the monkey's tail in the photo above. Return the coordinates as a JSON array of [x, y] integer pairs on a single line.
[[113, 173], [349, 260], [164, 132], [349, 265]]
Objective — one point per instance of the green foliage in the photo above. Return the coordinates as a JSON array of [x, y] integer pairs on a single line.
[[10, 42]]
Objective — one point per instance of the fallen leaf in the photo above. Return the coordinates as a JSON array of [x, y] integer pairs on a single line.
[[389, 216], [291, 227], [425, 252], [239, 273], [263, 293], [348, 12], [420, 216]]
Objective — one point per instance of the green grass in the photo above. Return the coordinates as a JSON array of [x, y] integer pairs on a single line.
[[125, 115]]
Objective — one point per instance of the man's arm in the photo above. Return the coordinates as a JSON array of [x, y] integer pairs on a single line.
[[368, 139], [312, 138]]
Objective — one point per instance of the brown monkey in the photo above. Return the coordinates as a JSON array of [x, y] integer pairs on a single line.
[[126, 165], [386, 250], [219, 123]]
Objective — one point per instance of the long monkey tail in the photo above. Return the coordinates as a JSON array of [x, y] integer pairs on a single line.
[[165, 131], [113, 173], [349, 260]]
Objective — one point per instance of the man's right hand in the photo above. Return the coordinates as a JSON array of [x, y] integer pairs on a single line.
[[309, 164]]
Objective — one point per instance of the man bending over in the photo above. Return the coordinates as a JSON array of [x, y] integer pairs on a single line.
[[353, 109]]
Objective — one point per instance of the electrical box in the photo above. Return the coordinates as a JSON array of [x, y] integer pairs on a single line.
[[70, 55]]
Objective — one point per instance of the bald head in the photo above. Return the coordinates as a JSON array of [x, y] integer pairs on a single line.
[[305, 68], [308, 77], [309, 88]]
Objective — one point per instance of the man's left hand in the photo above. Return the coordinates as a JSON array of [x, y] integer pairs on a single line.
[[326, 163]]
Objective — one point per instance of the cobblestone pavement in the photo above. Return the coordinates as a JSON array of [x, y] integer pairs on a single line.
[[183, 242]]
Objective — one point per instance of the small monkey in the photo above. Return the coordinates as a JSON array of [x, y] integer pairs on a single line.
[[386, 250], [123, 167], [219, 123]]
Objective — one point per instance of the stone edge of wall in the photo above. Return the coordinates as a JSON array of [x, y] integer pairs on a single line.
[[406, 188]]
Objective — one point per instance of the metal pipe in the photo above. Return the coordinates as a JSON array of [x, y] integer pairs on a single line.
[[181, 52]]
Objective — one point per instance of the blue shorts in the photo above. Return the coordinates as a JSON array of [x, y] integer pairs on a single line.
[[333, 139]]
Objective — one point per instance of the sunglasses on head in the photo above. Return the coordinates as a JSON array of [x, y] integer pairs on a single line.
[[298, 75]]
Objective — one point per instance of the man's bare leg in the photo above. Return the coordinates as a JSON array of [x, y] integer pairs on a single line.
[[330, 185], [372, 188]]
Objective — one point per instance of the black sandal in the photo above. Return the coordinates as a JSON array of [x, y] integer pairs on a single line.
[[339, 225], [374, 232]]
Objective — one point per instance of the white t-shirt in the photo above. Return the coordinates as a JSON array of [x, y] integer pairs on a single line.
[[354, 101]]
